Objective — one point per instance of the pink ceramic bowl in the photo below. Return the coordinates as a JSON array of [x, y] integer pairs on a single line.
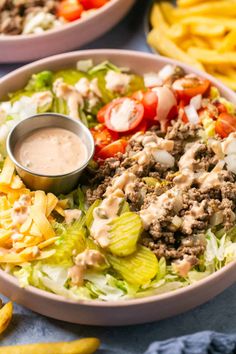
[[22, 48], [134, 311]]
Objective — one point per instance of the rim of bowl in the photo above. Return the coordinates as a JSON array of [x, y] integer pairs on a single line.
[[78, 122], [229, 268], [75, 56], [66, 26]]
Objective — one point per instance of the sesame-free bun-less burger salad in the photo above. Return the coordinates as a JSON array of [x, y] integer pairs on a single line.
[[155, 208], [36, 16]]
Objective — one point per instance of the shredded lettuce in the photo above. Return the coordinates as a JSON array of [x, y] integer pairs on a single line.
[[104, 66], [39, 82]]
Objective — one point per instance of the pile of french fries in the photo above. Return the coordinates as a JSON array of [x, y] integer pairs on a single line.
[[201, 33]]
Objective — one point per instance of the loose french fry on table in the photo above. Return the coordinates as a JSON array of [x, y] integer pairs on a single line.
[[81, 346], [5, 316]]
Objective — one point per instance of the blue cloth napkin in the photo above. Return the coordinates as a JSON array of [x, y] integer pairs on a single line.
[[199, 343]]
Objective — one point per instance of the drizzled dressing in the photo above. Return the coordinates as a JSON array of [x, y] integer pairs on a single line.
[[51, 151]]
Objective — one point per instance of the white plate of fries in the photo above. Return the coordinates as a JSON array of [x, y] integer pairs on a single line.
[[197, 32]]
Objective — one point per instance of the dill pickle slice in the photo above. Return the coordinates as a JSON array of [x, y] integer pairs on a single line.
[[124, 208], [89, 213], [138, 268], [124, 234]]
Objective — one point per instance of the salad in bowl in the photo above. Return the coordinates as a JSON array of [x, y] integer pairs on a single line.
[[155, 208], [36, 16]]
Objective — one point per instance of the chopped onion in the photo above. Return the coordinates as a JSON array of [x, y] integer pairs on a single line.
[[231, 162], [152, 79], [231, 147], [164, 158], [191, 114], [196, 102], [84, 65], [177, 221], [216, 218], [166, 72]]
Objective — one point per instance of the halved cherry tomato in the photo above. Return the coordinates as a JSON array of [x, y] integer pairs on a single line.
[[149, 101], [70, 10], [182, 113], [225, 124], [93, 4], [112, 149], [134, 117], [102, 137], [101, 113], [142, 127], [221, 107], [191, 87]]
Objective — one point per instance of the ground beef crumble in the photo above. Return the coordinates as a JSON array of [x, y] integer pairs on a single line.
[[173, 235]]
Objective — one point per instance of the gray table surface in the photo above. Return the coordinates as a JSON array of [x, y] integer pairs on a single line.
[[218, 314]]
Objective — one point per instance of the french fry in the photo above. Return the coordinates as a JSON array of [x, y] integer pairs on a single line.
[[215, 42], [176, 31], [211, 8], [209, 56], [206, 30], [228, 43], [168, 11], [200, 42], [157, 18], [229, 23], [157, 39], [5, 316], [187, 43], [81, 346], [189, 3]]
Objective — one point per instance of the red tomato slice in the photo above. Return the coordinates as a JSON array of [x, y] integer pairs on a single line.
[[190, 87], [134, 118], [149, 101], [182, 112], [93, 4], [142, 127], [101, 113], [112, 149], [221, 107], [225, 124], [70, 10], [102, 137]]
